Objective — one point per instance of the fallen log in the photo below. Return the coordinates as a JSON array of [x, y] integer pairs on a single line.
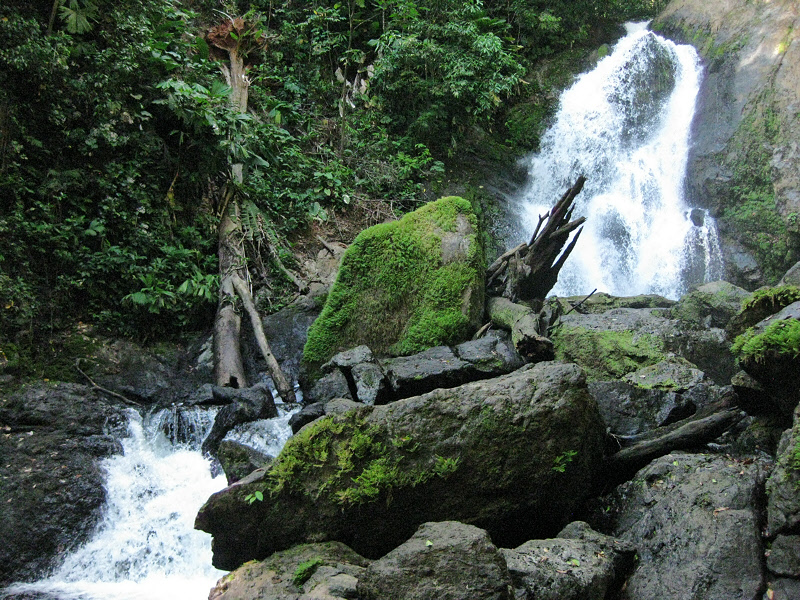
[[523, 323], [687, 434]]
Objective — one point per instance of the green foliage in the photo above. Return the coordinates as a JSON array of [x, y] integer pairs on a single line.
[[561, 461], [772, 299], [781, 338], [305, 570]]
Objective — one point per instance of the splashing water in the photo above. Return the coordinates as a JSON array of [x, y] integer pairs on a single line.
[[146, 546], [625, 126]]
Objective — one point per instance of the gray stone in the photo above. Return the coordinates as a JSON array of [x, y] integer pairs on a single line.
[[329, 572], [441, 561], [580, 564], [348, 359], [792, 276], [333, 385], [711, 305], [370, 383], [246, 405], [783, 589], [783, 500], [53, 439], [483, 453], [784, 556], [694, 519], [493, 354], [420, 373]]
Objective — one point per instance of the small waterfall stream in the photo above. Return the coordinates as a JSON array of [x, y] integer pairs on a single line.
[[625, 126], [146, 547]]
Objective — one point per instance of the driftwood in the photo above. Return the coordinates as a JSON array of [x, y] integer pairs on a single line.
[[523, 323], [701, 428], [530, 271]]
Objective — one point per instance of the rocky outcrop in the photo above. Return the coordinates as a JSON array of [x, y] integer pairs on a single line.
[[447, 559], [695, 522], [744, 162], [405, 286], [51, 442], [783, 507], [513, 455]]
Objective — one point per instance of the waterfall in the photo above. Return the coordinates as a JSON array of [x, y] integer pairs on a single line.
[[625, 126], [146, 546]]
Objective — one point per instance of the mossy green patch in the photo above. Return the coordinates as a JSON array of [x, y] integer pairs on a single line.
[[305, 570], [607, 355], [780, 339], [405, 286], [346, 460]]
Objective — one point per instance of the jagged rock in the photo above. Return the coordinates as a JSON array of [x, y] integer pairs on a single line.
[[617, 342], [327, 571], [246, 404], [333, 385], [440, 561], [491, 355], [53, 438], [784, 556], [694, 520], [363, 374], [434, 368], [579, 564], [513, 455], [405, 286], [783, 500]]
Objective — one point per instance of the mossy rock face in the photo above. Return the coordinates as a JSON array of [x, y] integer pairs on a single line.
[[513, 455], [762, 304], [711, 305], [620, 341], [405, 286]]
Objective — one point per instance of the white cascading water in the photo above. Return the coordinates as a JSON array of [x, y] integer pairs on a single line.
[[146, 547], [625, 126]]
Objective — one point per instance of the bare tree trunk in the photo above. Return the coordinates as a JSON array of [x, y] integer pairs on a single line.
[[529, 271]]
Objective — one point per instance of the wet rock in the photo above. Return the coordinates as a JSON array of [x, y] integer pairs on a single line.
[[792, 276], [52, 437], [333, 385], [246, 404], [783, 558], [782, 589], [306, 415], [327, 571], [579, 564], [694, 520], [482, 453], [440, 561], [239, 460]]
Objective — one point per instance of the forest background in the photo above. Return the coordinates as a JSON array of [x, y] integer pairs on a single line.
[[118, 138]]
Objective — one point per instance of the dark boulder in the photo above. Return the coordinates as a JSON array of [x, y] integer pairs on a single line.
[[52, 442], [579, 564], [513, 455], [441, 561], [695, 521], [245, 405]]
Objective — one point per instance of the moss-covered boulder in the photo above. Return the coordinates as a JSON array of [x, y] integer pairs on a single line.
[[405, 286], [513, 455], [620, 341], [761, 304], [711, 305]]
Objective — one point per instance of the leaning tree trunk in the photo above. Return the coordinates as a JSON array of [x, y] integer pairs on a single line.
[[529, 271], [234, 291]]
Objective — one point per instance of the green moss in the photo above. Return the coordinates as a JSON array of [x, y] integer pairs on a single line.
[[394, 293], [780, 339], [606, 355], [305, 570], [348, 461], [772, 299]]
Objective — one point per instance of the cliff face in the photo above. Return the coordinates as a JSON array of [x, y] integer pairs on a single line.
[[745, 163]]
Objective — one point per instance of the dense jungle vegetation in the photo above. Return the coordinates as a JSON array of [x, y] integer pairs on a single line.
[[117, 137]]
